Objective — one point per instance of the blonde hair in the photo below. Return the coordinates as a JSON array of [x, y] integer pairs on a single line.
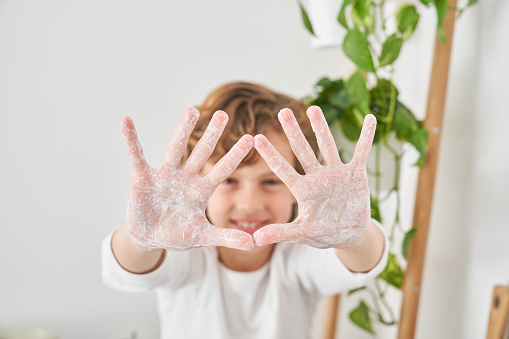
[[252, 109]]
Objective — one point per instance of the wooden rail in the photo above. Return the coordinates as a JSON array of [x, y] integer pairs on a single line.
[[426, 182]]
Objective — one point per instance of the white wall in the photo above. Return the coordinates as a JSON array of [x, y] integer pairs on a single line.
[[486, 200], [70, 70]]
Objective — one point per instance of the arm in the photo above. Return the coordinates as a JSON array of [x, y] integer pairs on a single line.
[[365, 256], [132, 257]]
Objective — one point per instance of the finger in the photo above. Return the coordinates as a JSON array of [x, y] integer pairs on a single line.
[[227, 164], [277, 163], [365, 141], [179, 140], [205, 146], [324, 136], [216, 236], [132, 145], [298, 142], [275, 233]]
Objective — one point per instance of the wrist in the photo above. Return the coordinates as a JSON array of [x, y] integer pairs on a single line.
[[352, 237], [366, 254], [131, 256]]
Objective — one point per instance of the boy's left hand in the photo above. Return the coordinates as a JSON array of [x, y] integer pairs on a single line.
[[333, 199]]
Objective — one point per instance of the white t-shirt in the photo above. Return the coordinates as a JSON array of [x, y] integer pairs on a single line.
[[198, 297]]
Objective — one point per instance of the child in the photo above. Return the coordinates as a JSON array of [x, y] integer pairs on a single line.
[[216, 232]]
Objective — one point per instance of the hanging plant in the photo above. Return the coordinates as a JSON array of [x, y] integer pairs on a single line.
[[373, 45]]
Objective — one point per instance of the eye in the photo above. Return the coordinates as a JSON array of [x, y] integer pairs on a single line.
[[228, 181], [271, 182]]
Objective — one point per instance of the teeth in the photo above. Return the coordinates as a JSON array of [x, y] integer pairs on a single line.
[[247, 224]]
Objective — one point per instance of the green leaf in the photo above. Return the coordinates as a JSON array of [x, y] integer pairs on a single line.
[[442, 7], [318, 101], [356, 47], [361, 15], [360, 317], [471, 2], [305, 19], [406, 20], [358, 92], [390, 50], [393, 274], [386, 88], [350, 125], [324, 82], [406, 241], [427, 2], [420, 142], [330, 113], [441, 34], [356, 290], [342, 14], [375, 210], [404, 123], [381, 96], [340, 98]]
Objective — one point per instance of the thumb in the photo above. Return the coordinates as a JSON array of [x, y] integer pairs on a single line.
[[277, 233], [216, 236]]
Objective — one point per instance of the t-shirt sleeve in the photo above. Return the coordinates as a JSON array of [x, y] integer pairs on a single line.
[[172, 273], [321, 270]]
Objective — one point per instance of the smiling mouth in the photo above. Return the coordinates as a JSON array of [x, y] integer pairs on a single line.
[[248, 227]]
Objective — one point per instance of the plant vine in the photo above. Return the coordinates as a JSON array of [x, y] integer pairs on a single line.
[[373, 42]]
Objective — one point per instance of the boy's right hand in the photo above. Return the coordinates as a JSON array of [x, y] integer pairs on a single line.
[[166, 207]]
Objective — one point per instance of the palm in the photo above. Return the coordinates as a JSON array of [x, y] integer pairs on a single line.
[[333, 199], [330, 213], [158, 203], [166, 205]]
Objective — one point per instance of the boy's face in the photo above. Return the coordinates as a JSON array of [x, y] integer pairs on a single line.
[[253, 196]]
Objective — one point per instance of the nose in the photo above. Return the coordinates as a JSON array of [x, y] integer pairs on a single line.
[[249, 199]]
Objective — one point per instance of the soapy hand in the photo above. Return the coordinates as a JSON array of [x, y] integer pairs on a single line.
[[333, 199], [166, 206]]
